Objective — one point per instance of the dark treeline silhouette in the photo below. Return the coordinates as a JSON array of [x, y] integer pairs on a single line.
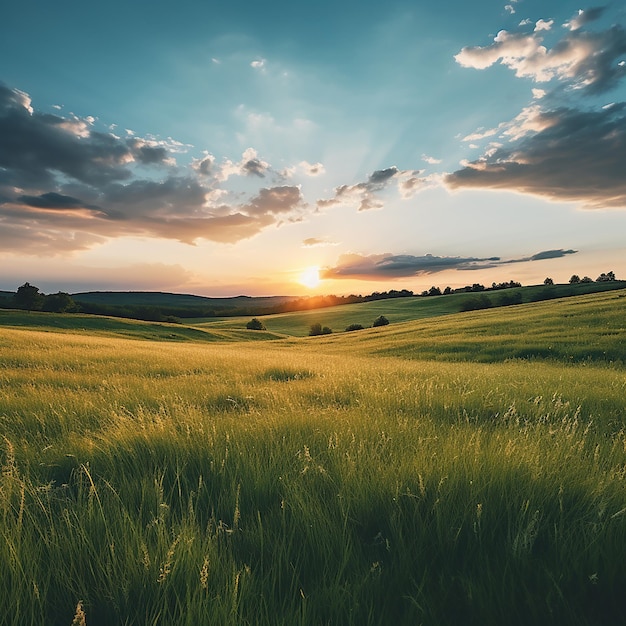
[[29, 298]]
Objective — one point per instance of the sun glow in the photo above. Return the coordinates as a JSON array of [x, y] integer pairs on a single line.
[[310, 277]]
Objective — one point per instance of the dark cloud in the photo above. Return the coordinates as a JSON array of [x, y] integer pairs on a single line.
[[147, 153], [579, 156], [174, 196], [204, 166], [381, 266], [64, 184], [584, 17], [254, 167], [52, 200], [275, 201], [551, 254], [381, 177], [34, 147], [364, 193]]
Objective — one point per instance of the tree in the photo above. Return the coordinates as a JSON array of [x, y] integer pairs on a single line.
[[434, 291], [255, 324], [315, 329], [60, 302], [380, 321], [586, 279], [604, 278], [28, 297], [447, 291], [574, 280], [548, 281], [327, 330]]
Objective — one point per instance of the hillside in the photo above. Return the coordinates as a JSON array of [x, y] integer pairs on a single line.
[[398, 310], [103, 326], [165, 300], [589, 327]]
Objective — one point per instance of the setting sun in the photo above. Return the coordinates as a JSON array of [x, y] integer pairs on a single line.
[[310, 277]]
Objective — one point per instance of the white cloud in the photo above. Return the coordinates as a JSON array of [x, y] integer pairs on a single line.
[[259, 64], [480, 134], [543, 25], [584, 60]]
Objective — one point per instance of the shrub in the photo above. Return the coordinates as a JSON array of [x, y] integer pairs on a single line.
[[315, 329], [255, 324], [354, 327], [380, 321], [476, 303]]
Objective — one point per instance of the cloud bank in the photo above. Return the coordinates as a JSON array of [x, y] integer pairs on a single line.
[[65, 186], [389, 266], [558, 147]]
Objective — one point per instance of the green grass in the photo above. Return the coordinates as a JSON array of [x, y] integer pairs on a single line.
[[362, 478], [396, 309], [103, 326], [570, 330]]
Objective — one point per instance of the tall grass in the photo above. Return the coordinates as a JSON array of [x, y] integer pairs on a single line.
[[147, 483]]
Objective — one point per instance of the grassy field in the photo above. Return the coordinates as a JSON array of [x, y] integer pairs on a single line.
[[396, 310], [103, 326], [467, 469]]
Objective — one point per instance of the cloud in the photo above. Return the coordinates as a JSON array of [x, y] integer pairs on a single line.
[[316, 242], [431, 160], [249, 165], [390, 266], [66, 186], [52, 200], [275, 201], [379, 266], [583, 17], [563, 154], [259, 64], [551, 254], [204, 166], [364, 194], [543, 25], [583, 60]]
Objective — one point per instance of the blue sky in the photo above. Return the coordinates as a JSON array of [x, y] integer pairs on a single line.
[[252, 148]]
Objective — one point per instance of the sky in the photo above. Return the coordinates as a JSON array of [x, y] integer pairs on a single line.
[[289, 148]]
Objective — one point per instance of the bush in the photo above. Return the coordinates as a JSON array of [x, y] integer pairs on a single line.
[[354, 327], [380, 321], [507, 299], [255, 324], [326, 330], [315, 329], [477, 303]]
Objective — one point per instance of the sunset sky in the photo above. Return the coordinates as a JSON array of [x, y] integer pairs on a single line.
[[249, 148]]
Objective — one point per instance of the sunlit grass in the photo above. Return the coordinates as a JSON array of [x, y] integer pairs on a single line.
[[315, 481]]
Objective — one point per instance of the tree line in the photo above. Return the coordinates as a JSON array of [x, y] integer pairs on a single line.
[[29, 298]]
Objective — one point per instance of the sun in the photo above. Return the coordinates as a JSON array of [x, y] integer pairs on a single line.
[[310, 277]]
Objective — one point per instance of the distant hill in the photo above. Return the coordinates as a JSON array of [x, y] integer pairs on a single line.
[[162, 299]]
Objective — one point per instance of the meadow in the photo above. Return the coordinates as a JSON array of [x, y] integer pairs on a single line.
[[462, 469]]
